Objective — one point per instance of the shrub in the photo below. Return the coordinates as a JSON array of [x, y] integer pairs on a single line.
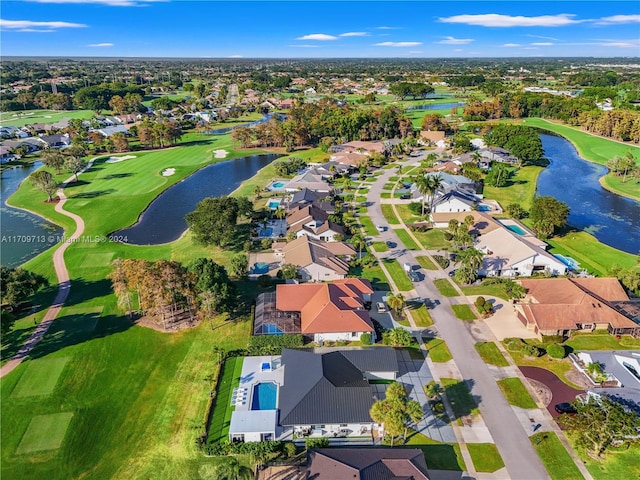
[[415, 208], [289, 449], [480, 301], [556, 351], [532, 350], [316, 443], [437, 407], [366, 338], [273, 344], [442, 261], [264, 281]]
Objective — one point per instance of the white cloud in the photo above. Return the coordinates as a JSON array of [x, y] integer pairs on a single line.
[[302, 45], [635, 43], [397, 44], [100, 45], [387, 28], [542, 44], [542, 37], [497, 20], [28, 25], [510, 45], [236, 56], [354, 34], [317, 36], [111, 3], [618, 19], [34, 30], [458, 50], [456, 41]]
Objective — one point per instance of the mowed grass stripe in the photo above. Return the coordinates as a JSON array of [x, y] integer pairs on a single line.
[[45, 432], [40, 377], [222, 409]]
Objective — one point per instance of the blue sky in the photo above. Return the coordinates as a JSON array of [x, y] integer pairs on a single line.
[[178, 28]]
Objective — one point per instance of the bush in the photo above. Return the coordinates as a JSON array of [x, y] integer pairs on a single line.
[[366, 338], [532, 350], [415, 208], [556, 351], [264, 281], [273, 344], [316, 443], [442, 261], [480, 301], [289, 449]]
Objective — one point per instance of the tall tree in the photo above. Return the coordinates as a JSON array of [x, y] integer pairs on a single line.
[[547, 214], [213, 222], [53, 158], [74, 164], [44, 181]]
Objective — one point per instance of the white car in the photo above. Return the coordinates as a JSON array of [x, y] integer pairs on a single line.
[[381, 228]]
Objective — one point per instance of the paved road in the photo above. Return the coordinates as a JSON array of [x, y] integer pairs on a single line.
[[520, 458], [64, 284]]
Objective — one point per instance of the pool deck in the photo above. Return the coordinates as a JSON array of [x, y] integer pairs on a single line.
[[252, 374]]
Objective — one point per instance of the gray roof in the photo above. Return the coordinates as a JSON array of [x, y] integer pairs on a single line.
[[322, 388], [253, 421], [373, 359]]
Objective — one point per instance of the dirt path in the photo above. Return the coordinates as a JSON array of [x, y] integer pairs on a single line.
[[64, 283]]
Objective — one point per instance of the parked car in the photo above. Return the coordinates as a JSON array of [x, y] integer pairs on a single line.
[[381, 228], [391, 244], [381, 307], [452, 273], [405, 196], [414, 276], [565, 407]]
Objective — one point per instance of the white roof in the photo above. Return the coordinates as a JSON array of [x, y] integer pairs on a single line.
[[253, 421]]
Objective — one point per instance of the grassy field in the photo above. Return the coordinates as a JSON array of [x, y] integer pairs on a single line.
[[45, 432], [406, 239], [516, 393], [595, 149], [495, 290], [28, 117], [439, 456], [398, 275], [432, 239], [379, 246], [619, 462], [222, 410], [459, 397], [445, 287], [389, 215], [559, 367], [555, 458], [376, 276], [426, 263], [406, 215], [602, 341], [438, 350], [491, 354], [40, 377], [368, 226], [421, 316], [463, 312], [485, 456], [520, 188]]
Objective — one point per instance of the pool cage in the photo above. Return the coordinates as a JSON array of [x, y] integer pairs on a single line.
[[270, 321]]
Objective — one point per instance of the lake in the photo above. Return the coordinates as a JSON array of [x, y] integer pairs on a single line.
[[24, 235], [614, 220], [264, 119], [163, 221], [436, 106]]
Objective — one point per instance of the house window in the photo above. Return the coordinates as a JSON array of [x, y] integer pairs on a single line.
[[343, 425], [587, 326], [354, 334]]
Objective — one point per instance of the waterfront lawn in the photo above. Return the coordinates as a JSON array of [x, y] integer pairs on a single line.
[[491, 354], [463, 312], [398, 275], [520, 188], [554, 456], [629, 187], [516, 393], [445, 287], [438, 350], [485, 457], [389, 215], [405, 238], [426, 263]]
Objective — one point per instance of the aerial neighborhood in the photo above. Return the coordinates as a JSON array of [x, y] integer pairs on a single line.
[[328, 268]]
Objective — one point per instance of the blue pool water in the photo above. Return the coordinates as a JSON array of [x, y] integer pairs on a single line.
[[484, 208], [264, 396], [516, 229], [568, 261], [266, 232], [261, 268], [277, 185], [270, 329], [274, 204]]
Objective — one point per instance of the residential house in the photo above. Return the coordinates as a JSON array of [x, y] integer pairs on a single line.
[[6, 154], [354, 159], [310, 393], [320, 311], [12, 132], [497, 154], [286, 103], [110, 131], [431, 137], [55, 141], [318, 261], [313, 222], [366, 464], [304, 197], [308, 179], [454, 201], [30, 145], [561, 306]]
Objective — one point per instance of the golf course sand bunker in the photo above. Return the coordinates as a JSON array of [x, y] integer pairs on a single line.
[[119, 159], [220, 153], [167, 172]]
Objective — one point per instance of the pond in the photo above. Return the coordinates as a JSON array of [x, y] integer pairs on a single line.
[[436, 106], [24, 235], [614, 220], [163, 221], [264, 119]]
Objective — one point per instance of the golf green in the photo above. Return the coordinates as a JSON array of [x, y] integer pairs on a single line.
[[40, 377], [45, 432]]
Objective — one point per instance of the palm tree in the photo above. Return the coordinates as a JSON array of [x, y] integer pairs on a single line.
[[472, 258], [229, 469], [413, 412], [422, 182], [435, 183], [280, 213], [358, 241], [396, 302]]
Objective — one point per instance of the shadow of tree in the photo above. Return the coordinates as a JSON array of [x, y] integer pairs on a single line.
[[94, 194], [117, 175], [460, 398]]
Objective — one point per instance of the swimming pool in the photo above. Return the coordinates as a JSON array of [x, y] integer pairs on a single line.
[[265, 232], [270, 329], [264, 396], [568, 261], [277, 185], [261, 268], [484, 208], [516, 229], [274, 204]]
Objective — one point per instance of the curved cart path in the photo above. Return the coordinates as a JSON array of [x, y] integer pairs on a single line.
[[64, 283]]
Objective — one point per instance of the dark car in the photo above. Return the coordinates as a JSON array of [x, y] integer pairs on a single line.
[[405, 196], [452, 273], [392, 244], [414, 276], [565, 407]]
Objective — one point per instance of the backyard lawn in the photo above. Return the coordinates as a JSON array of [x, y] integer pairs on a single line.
[[516, 393], [222, 410], [445, 287], [555, 458], [438, 350], [520, 188], [491, 354], [398, 275], [485, 456], [463, 312]]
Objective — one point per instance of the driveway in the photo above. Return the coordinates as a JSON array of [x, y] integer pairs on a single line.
[[560, 391]]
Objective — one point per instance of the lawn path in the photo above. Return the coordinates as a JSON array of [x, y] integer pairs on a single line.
[[64, 283]]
